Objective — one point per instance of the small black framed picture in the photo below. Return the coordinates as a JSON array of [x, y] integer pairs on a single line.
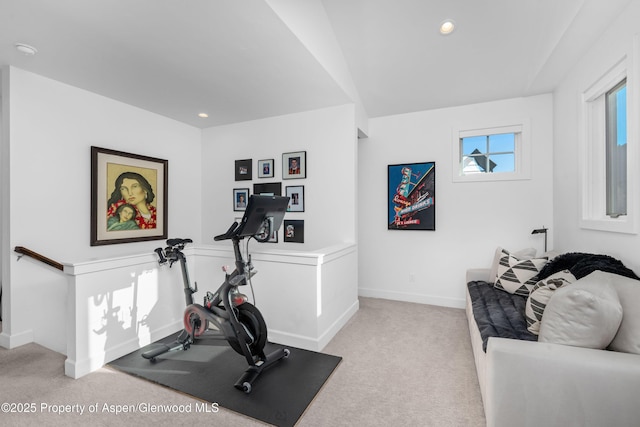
[[294, 165], [268, 189], [296, 198], [265, 168], [240, 199], [294, 230], [244, 170]]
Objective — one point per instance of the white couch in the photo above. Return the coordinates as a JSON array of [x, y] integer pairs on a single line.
[[529, 383]]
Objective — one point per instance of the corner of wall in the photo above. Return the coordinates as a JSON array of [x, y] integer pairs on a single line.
[[4, 202]]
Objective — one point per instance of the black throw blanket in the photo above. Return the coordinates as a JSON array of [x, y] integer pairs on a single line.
[[582, 264]]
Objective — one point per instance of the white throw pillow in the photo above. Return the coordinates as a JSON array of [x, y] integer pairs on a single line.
[[586, 314], [627, 338], [540, 295]]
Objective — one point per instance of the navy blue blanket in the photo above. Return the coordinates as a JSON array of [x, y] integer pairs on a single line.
[[498, 313]]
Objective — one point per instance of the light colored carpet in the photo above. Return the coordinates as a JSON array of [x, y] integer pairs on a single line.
[[403, 364]]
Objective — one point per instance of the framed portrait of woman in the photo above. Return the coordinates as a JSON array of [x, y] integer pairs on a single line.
[[128, 197]]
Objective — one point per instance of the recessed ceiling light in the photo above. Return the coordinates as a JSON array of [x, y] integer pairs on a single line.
[[447, 26], [203, 115], [25, 49]]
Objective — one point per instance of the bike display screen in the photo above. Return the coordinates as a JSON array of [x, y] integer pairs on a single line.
[[260, 208]]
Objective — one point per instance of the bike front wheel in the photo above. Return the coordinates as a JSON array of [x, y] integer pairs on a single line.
[[251, 318]]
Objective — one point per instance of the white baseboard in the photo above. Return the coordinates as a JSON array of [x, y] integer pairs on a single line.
[[15, 340], [298, 341], [314, 343], [76, 369], [409, 297], [79, 368], [331, 332], [166, 330]]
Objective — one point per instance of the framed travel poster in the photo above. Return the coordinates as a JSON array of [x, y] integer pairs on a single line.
[[411, 192], [128, 197]]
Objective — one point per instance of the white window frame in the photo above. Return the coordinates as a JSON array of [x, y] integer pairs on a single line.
[[522, 150], [592, 156]]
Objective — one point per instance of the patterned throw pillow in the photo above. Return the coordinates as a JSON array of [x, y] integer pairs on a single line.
[[540, 295], [518, 276], [526, 253]]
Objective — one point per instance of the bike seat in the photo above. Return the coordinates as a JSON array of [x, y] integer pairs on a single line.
[[176, 242]]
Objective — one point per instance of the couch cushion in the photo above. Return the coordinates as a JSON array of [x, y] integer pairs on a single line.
[[517, 276], [540, 295], [586, 314], [497, 313], [627, 338]]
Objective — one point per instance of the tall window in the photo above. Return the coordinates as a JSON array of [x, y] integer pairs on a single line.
[[616, 143], [608, 147]]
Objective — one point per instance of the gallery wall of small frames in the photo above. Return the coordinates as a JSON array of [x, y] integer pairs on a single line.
[[294, 166]]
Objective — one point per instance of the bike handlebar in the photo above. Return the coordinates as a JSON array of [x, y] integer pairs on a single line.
[[174, 246], [227, 234], [160, 254]]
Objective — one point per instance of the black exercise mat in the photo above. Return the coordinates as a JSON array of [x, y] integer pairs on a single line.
[[210, 368]]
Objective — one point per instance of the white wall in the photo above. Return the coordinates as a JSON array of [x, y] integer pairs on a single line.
[[51, 128], [304, 297], [329, 138], [472, 219], [612, 46]]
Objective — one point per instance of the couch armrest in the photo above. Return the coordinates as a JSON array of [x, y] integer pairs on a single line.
[[478, 274], [541, 384]]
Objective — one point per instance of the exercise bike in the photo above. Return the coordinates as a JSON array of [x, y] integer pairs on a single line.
[[226, 314]]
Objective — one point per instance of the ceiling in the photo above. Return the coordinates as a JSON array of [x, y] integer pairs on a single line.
[[237, 60]]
